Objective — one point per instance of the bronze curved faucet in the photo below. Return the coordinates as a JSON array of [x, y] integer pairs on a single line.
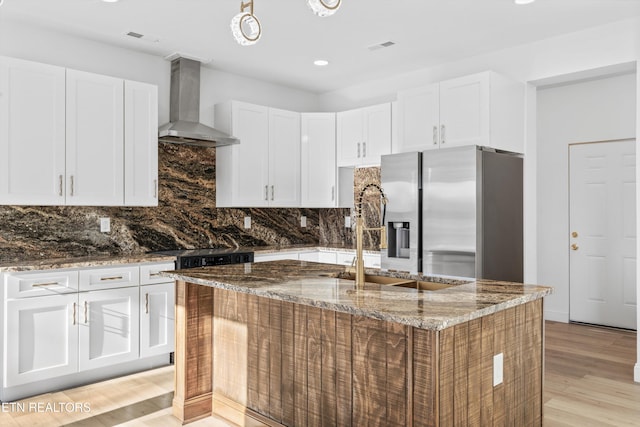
[[360, 228]]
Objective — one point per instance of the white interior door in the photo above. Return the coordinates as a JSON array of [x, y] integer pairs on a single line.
[[602, 241]]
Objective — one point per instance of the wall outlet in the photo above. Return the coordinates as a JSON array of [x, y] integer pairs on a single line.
[[105, 225], [247, 222], [347, 222], [497, 369], [303, 221]]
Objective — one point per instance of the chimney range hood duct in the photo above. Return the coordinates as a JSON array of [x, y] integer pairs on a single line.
[[184, 110]]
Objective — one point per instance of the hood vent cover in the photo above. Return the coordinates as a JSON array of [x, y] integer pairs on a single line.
[[184, 126]]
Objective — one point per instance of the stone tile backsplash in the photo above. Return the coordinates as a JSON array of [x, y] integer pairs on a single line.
[[186, 217]]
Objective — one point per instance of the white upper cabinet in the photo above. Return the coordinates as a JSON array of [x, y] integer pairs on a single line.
[[419, 119], [242, 170], [284, 158], [140, 144], [465, 111], [484, 109], [318, 160], [264, 169], [64, 134], [95, 139], [32, 133], [363, 135], [349, 137]]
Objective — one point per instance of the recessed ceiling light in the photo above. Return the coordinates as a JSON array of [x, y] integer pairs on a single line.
[[321, 62], [110, 1], [523, 1]]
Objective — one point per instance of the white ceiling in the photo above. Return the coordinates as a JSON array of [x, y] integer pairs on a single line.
[[426, 32]]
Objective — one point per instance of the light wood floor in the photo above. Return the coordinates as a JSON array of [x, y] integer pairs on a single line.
[[588, 382]]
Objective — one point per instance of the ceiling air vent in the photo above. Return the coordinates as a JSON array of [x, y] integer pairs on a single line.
[[381, 45], [145, 37]]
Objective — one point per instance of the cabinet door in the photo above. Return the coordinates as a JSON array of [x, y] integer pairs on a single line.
[[109, 327], [377, 133], [419, 119], [464, 111], [32, 133], [318, 160], [157, 319], [284, 158], [41, 338], [349, 137], [140, 144], [251, 162], [95, 148]]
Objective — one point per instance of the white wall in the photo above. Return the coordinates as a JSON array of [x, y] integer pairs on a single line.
[[599, 48], [585, 50], [597, 110], [24, 41]]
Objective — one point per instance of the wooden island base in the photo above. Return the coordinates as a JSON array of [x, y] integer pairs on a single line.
[[288, 364]]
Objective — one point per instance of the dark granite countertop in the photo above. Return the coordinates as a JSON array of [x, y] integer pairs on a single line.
[[105, 260], [320, 285], [334, 247], [80, 262]]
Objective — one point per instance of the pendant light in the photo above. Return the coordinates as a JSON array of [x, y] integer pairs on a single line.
[[324, 7], [245, 27]]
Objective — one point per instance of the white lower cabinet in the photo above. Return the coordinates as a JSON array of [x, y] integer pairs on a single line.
[[308, 256], [327, 257], [42, 339], [372, 260], [109, 327], [346, 258], [293, 255], [51, 330], [157, 319]]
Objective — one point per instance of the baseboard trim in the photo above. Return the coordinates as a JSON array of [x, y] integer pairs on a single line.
[[636, 373], [239, 414], [556, 316], [193, 409]]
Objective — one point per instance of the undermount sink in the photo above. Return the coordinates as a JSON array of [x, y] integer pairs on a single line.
[[424, 286], [402, 283], [380, 280]]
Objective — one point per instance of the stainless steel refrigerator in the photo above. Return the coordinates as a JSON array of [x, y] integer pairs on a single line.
[[401, 180], [472, 213]]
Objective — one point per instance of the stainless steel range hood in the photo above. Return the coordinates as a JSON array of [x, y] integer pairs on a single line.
[[184, 110]]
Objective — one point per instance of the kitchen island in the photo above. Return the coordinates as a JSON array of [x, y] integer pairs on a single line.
[[296, 343]]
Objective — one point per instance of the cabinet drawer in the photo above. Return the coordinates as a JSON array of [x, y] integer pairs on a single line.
[[40, 283], [345, 258], [149, 273], [108, 278], [372, 260]]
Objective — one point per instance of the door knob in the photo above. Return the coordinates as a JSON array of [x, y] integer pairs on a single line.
[[574, 247], [574, 234]]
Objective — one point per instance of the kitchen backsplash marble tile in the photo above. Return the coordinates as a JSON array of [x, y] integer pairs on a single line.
[[186, 217], [370, 203]]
